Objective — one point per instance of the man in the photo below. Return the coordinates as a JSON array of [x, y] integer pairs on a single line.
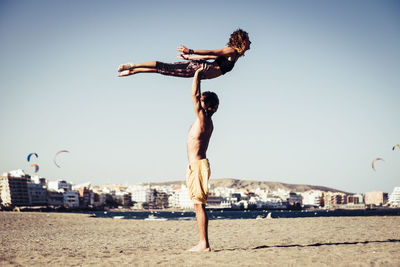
[[198, 173]]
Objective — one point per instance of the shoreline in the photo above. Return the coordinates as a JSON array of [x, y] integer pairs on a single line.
[[72, 210]]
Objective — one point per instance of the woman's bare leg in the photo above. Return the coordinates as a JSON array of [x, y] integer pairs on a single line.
[[135, 71], [130, 66]]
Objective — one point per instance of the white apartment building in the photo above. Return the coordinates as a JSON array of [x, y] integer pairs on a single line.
[[223, 191], [283, 194], [394, 198], [173, 200], [142, 194], [312, 198], [59, 185], [274, 203], [184, 199]]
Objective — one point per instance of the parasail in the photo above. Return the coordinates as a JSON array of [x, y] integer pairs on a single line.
[[398, 145], [55, 156], [36, 167], [373, 162], [28, 158]]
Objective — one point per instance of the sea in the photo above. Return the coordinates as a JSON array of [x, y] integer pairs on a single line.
[[240, 214]]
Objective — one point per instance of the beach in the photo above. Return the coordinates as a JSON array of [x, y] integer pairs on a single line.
[[42, 239]]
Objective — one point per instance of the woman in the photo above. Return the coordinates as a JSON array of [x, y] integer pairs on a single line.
[[224, 60]]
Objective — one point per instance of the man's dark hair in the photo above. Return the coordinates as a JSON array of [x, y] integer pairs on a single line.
[[212, 101]]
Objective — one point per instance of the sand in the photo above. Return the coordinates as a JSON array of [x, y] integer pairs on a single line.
[[41, 239]]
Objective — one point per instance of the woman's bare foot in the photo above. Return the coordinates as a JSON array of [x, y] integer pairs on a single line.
[[127, 66], [126, 73], [200, 247]]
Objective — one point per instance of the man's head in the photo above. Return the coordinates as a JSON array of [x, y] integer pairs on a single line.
[[209, 102]]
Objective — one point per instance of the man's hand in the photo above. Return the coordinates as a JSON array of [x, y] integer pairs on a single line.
[[202, 70], [199, 73]]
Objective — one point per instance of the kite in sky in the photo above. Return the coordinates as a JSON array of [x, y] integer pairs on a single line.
[[373, 162], [55, 157]]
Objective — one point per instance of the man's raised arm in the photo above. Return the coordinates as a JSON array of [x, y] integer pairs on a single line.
[[196, 93]]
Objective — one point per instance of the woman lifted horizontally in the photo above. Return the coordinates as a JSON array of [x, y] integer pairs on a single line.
[[224, 60]]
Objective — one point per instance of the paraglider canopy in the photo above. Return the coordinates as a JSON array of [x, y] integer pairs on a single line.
[[36, 167], [398, 146], [28, 158]]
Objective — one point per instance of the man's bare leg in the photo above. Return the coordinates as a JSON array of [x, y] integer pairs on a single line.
[[202, 223], [135, 71], [130, 66]]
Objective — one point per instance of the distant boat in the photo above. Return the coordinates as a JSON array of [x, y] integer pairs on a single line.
[[154, 218], [118, 217]]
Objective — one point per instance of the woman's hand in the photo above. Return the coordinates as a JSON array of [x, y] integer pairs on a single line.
[[184, 56], [183, 49]]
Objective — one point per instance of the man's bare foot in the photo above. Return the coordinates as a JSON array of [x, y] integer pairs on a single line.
[[127, 66], [200, 247]]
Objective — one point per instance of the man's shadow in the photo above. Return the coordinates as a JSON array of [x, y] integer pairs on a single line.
[[313, 245]]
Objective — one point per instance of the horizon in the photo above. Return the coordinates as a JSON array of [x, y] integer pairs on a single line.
[[314, 101]]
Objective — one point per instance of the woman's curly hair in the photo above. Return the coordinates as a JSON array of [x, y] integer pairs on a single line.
[[238, 41]]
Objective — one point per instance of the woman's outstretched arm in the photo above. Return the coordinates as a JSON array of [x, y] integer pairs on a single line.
[[187, 57], [218, 52]]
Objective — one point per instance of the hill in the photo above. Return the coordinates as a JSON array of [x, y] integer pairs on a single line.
[[252, 185]]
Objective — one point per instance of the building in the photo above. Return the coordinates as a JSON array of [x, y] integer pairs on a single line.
[[295, 199], [160, 200], [394, 199], [334, 199], [214, 201], [274, 203], [313, 198], [99, 199], [127, 199], [71, 199], [142, 194], [39, 180], [14, 188], [55, 198], [377, 198], [59, 185], [355, 199], [184, 199], [37, 194], [85, 195]]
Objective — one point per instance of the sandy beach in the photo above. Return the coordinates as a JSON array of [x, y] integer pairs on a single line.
[[41, 239]]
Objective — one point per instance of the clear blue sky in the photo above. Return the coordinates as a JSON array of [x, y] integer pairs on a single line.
[[314, 101]]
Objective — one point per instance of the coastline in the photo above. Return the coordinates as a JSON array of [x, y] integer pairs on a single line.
[[33, 238]]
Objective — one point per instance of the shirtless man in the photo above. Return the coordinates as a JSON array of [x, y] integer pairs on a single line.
[[198, 172]]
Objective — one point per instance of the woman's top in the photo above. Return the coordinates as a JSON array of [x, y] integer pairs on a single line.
[[224, 64]]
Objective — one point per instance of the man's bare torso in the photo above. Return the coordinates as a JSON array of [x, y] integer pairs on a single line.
[[198, 139]]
